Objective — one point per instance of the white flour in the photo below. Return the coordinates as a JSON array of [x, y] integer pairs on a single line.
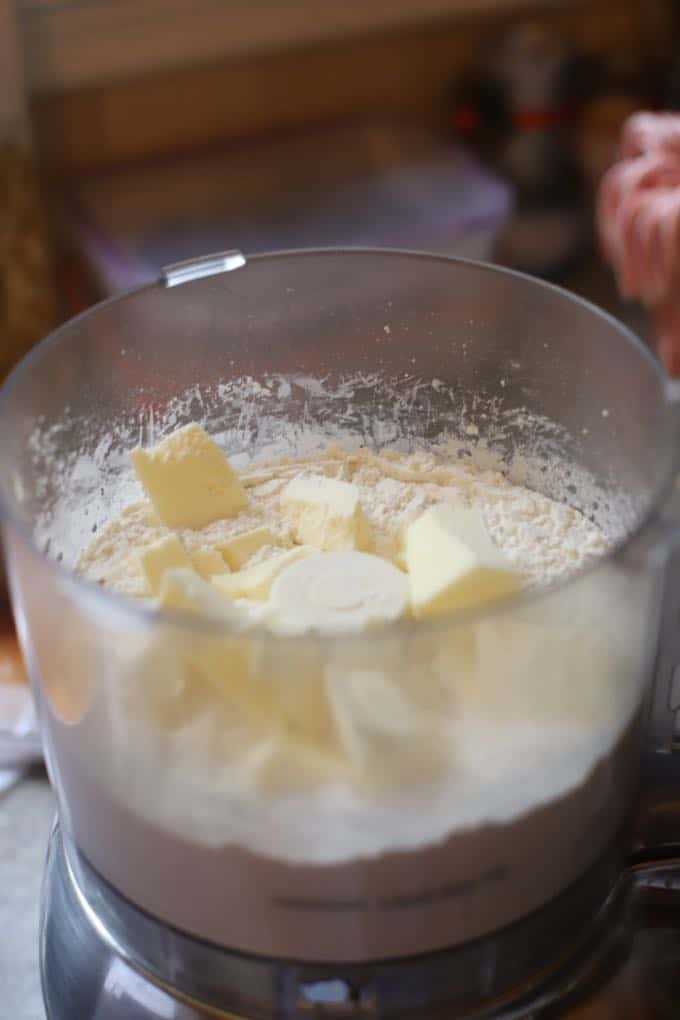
[[87, 479], [523, 704], [543, 538]]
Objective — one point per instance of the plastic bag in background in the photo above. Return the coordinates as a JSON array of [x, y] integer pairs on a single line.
[[367, 182]]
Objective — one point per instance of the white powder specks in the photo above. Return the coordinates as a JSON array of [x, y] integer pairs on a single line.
[[536, 695], [543, 538]]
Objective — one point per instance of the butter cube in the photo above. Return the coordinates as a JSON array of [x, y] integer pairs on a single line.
[[288, 760], [453, 564], [295, 678], [218, 663], [543, 669], [326, 513], [208, 562], [238, 550], [386, 739], [255, 582], [182, 588], [164, 554], [188, 479]]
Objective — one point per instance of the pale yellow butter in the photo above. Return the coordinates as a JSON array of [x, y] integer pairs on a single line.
[[296, 682], [208, 562], [183, 588], [255, 582], [337, 592], [238, 550], [163, 555], [188, 479], [453, 563], [326, 513], [286, 760], [548, 670], [220, 662]]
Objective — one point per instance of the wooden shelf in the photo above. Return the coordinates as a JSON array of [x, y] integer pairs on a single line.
[[74, 44], [403, 71]]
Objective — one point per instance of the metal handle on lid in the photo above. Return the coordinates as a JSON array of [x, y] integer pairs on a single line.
[[205, 265]]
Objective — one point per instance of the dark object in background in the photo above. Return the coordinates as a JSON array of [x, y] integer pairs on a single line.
[[520, 109], [671, 91], [27, 307], [27, 300], [619, 87]]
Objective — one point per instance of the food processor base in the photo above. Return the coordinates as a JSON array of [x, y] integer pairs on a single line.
[[103, 959]]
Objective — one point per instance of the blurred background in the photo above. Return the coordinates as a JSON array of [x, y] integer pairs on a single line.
[[134, 133]]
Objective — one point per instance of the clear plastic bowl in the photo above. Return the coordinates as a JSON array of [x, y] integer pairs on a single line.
[[544, 695]]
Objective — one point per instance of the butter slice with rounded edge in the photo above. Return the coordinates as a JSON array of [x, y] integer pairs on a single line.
[[326, 513], [453, 563], [237, 550], [255, 582], [155, 559], [188, 479], [337, 593]]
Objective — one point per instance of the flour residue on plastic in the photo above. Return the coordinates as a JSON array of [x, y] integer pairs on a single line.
[[181, 780], [87, 477]]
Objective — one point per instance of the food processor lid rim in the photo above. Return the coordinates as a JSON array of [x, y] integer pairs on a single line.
[[152, 615]]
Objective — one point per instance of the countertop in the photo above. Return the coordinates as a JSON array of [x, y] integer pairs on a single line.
[[646, 987], [26, 814]]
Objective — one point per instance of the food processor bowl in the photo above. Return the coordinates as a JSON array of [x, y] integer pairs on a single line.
[[548, 693]]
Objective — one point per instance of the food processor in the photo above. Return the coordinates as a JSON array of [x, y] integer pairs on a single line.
[[166, 894]]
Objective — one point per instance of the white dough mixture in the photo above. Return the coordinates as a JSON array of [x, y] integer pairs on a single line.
[[544, 539], [327, 750]]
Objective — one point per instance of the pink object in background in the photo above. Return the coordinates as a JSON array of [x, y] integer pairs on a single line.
[[639, 223]]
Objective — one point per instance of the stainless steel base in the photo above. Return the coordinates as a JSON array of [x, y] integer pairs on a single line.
[[103, 959]]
